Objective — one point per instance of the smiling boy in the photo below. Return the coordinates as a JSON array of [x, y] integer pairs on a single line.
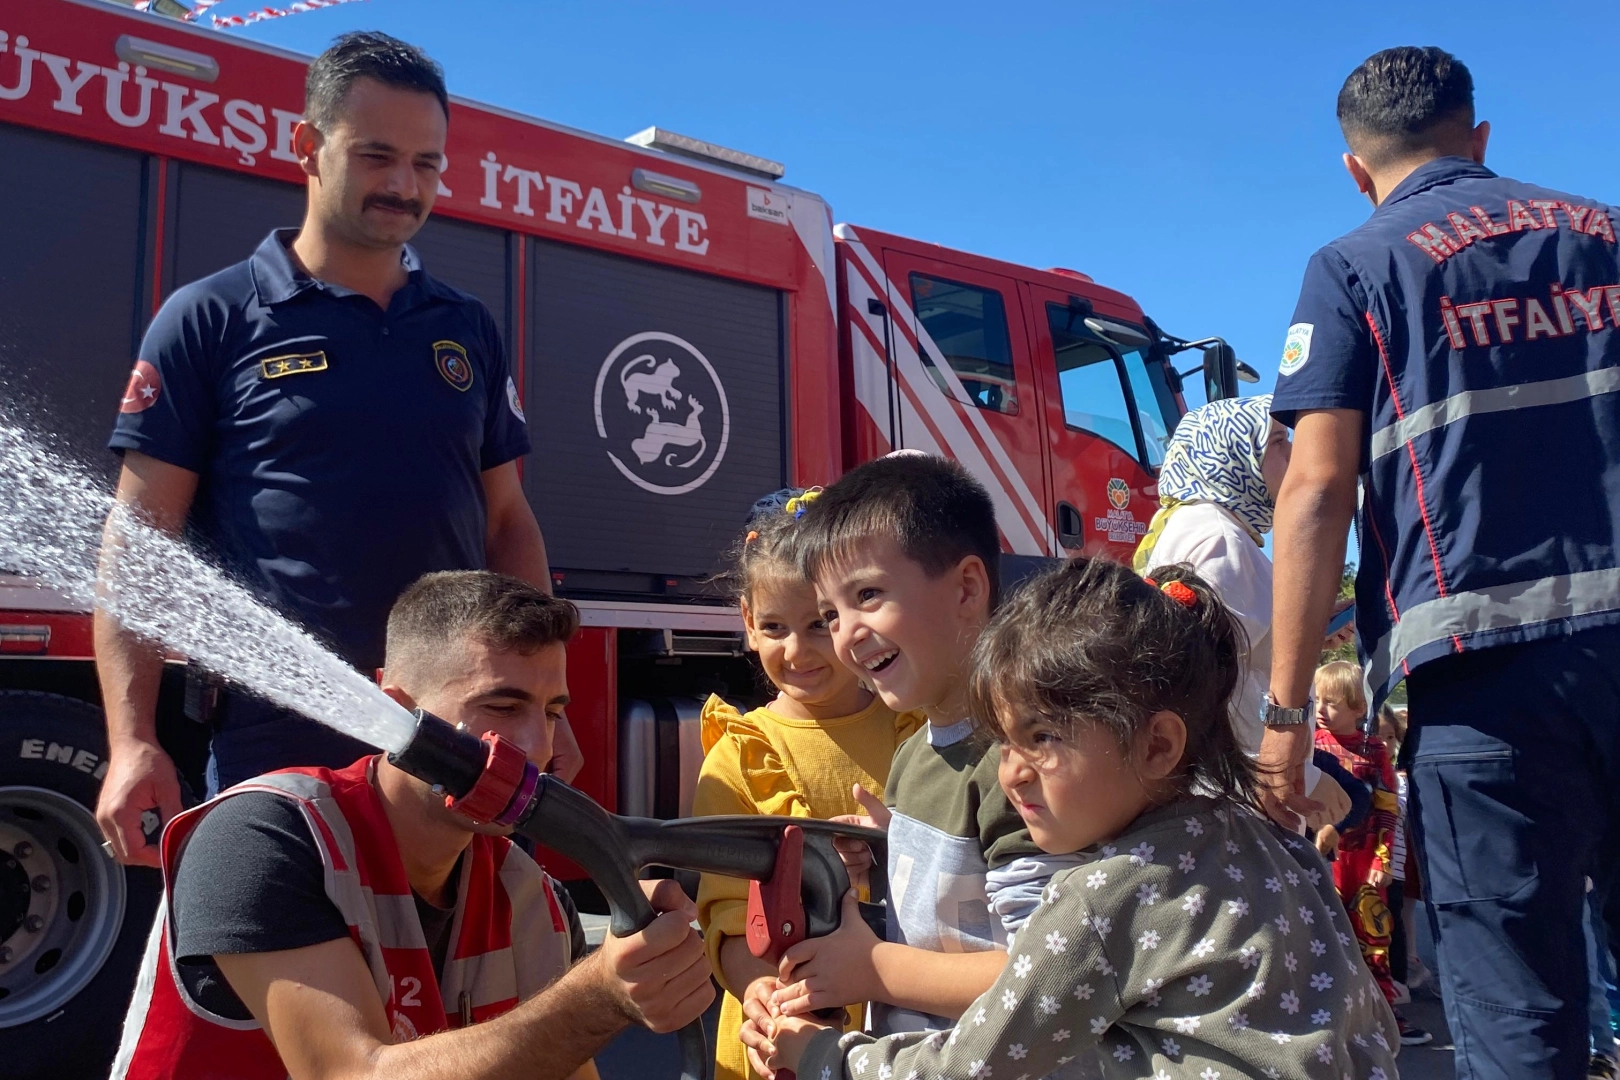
[[904, 554]]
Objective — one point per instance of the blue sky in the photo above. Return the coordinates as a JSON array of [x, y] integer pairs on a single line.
[[1184, 153]]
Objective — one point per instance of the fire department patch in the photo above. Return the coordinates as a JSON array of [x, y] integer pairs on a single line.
[[1297, 347], [513, 402], [1119, 493], [143, 389], [451, 360]]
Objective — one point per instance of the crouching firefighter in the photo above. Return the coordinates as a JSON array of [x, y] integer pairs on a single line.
[[321, 923]]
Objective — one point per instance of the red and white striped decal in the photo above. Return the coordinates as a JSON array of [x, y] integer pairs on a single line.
[[930, 421]]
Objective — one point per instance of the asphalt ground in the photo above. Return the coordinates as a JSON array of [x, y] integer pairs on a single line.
[[1433, 1061]]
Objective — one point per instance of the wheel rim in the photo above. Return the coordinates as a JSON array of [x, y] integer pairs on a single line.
[[61, 902]]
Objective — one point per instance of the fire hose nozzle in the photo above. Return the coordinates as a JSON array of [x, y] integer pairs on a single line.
[[489, 779], [504, 787]]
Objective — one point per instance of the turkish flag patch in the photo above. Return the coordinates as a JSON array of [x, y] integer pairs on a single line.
[[144, 387]]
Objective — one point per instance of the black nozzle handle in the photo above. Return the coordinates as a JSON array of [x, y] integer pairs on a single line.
[[572, 824], [562, 819]]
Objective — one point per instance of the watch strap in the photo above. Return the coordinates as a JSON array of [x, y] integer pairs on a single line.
[[1275, 716]]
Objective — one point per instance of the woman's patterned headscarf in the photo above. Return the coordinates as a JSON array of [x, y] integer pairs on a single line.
[[1215, 456]]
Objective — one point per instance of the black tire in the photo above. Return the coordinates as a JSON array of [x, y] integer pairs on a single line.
[[59, 744]]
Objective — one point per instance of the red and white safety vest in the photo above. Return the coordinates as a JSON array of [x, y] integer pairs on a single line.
[[510, 939]]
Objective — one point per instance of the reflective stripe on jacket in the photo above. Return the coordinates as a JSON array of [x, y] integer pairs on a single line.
[[510, 939]]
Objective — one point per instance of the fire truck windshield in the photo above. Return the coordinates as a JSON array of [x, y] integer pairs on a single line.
[[1101, 381]]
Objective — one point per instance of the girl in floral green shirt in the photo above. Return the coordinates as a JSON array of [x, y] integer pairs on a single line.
[[1197, 940]]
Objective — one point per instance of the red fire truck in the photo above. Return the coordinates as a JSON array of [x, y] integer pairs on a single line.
[[687, 332]]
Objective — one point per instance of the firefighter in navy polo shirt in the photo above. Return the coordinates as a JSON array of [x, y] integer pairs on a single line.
[[1460, 354], [332, 421]]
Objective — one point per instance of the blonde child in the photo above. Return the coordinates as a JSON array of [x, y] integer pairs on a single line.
[[1365, 864], [802, 755], [1196, 939]]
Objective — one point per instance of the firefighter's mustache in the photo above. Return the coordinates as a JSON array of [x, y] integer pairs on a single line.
[[388, 202]]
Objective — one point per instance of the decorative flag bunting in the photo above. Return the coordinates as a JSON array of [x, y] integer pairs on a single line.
[[227, 22]]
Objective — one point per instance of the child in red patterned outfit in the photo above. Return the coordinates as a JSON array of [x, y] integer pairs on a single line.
[[1362, 871]]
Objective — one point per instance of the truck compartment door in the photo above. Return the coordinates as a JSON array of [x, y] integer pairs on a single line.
[[655, 401], [73, 294]]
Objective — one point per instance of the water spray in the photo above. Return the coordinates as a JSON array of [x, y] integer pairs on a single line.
[[157, 586], [798, 880]]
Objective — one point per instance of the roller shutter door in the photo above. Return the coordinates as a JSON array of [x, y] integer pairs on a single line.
[[655, 403], [222, 217], [71, 296], [218, 218]]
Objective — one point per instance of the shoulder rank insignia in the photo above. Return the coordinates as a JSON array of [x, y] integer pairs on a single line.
[[292, 364], [451, 360]]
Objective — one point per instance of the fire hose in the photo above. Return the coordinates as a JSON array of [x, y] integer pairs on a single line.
[[797, 881]]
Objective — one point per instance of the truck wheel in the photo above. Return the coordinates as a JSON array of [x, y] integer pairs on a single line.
[[73, 923]]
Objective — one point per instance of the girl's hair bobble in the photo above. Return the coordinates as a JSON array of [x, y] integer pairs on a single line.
[[1180, 593], [799, 504]]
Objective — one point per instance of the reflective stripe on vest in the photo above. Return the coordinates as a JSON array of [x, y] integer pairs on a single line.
[[1429, 418], [1500, 607], [508, 937]]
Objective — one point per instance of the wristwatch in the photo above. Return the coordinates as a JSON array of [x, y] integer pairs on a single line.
[[1276, 716]]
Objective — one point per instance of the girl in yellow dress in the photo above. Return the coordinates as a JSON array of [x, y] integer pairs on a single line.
[[804, 754]]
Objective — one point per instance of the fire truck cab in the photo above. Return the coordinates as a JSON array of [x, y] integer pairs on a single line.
[[686, 333]]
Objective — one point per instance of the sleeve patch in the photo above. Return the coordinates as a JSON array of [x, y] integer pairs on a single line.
[[512, 401], [142, 392], [1296, 347]]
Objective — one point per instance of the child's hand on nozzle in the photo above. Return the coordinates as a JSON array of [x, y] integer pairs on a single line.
[[877, 815], [757, 1046], [757, 1017], [789, 1038], [1379, 878], [834, 970], [857, 854]]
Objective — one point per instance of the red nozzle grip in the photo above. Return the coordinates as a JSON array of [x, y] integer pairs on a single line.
[[775, 907], [496, 785]]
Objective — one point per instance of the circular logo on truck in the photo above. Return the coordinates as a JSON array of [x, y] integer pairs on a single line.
[[662, 411], [1119, 493]]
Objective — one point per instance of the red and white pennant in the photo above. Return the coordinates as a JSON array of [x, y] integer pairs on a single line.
[[227, 22]]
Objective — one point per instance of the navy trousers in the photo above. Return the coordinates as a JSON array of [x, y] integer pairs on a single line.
[[1514, 759]]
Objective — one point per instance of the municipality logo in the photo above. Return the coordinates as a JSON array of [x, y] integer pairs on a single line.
[[1296, 347], [662, 411], [1119, 493]]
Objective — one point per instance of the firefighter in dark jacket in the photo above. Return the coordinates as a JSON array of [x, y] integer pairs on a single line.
[[1460, 354]]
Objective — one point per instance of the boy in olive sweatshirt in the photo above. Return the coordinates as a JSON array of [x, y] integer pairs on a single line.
[[904, 553]]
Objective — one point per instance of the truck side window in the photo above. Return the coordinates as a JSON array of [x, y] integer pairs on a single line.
[[1091, 383], [969, 327]]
